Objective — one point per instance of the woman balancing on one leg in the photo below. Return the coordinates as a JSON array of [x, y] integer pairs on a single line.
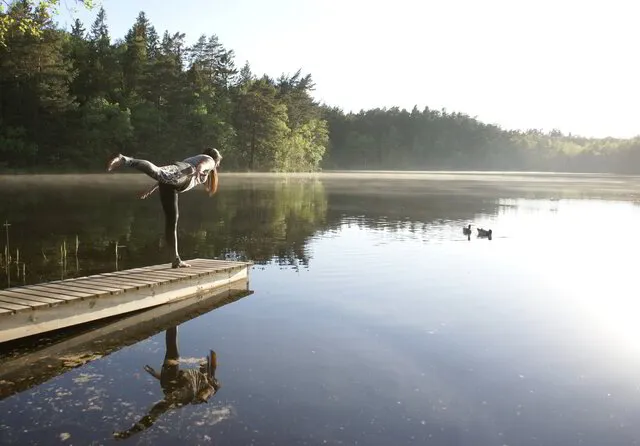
[[172, 180]]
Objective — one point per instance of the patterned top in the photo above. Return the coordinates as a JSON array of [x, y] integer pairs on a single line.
[[206, 165]]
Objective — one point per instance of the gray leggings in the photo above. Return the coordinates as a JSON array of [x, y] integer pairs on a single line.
[[176, 174]]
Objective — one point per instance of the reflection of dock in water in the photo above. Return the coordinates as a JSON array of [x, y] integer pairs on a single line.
[[26, 367], [34, 309]]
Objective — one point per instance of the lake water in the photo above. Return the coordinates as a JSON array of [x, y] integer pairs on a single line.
[[372, 319]]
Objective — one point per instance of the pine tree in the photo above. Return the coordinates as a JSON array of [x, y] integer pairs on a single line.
[[294, 92], [135, 57], [104, 71], [80, 58]]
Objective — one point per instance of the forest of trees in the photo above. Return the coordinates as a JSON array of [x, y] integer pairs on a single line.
[[69, 98]]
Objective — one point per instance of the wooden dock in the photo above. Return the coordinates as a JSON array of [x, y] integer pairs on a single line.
[[33, 309]]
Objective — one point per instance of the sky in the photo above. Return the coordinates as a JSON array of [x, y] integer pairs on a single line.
[[566, 64]]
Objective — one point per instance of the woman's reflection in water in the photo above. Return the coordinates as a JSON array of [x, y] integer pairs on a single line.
[[180, 387]]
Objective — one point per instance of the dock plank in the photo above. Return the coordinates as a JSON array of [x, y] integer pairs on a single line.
[[163, 275], [116, 276], [88, 287], [172, 271], [52, 287], [14, 307], [194, 270], [31, 297], [212, 263], [109, 285], [200, 269], [41, 293], [202, 263], [21, 301], [150, 279], [116, 282], [95, 285]]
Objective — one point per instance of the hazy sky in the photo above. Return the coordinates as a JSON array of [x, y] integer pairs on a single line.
[[569, 64]]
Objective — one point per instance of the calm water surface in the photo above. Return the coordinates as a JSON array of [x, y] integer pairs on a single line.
[[372, 319]]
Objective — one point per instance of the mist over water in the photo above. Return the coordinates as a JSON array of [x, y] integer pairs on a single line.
[[372, 320]]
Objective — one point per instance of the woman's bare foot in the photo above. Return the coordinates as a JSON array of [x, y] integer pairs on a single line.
[[180, 264], [114, 162]]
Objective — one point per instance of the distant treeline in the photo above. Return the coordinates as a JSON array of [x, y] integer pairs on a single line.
[[70, 98], [437, 140]]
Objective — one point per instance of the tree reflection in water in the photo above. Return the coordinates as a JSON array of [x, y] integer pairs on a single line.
[[264, 221]]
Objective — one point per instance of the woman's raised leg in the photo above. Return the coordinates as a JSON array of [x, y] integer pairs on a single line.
[[143, 166]]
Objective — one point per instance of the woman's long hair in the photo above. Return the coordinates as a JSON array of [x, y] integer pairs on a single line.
[[212, 181]]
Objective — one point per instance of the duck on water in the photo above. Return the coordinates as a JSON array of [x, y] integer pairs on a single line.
[[485, 233], [482, 233]]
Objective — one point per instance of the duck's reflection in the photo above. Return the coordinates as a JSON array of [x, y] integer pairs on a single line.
[[180, 387]]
